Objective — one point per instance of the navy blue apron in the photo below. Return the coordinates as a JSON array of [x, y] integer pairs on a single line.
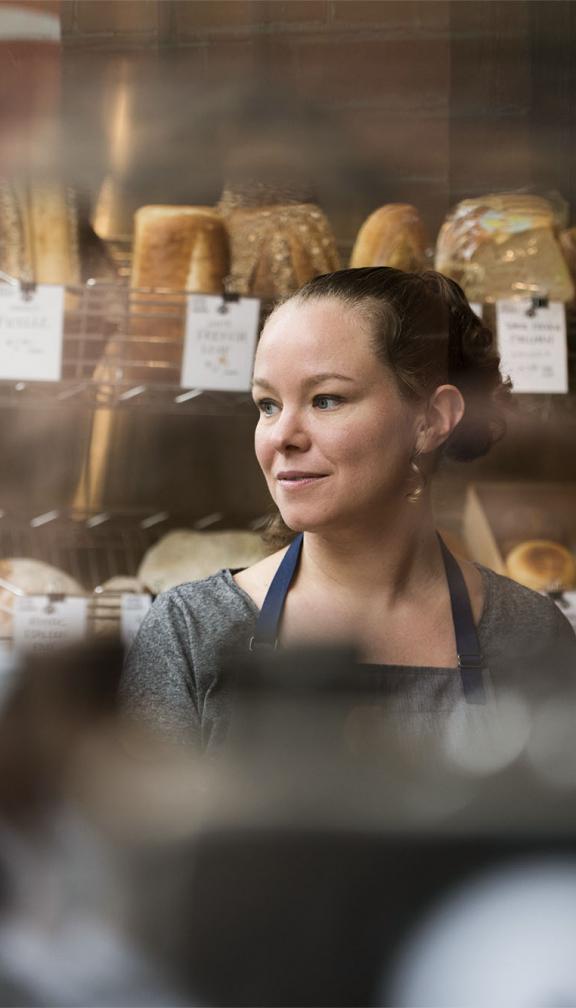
[[470, 662]]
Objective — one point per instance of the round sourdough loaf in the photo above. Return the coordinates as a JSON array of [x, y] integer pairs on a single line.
[[393, 235], [187, 555], [542, 564]]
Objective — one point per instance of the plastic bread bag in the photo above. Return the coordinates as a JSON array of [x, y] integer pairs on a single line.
[[506, 245]]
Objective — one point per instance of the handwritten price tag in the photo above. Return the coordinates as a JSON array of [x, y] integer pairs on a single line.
[[133, 610], [41, 624], [533, 346], [220, 342], [31, 333]]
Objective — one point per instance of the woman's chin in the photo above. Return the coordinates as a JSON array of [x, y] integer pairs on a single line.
[[298, 521]]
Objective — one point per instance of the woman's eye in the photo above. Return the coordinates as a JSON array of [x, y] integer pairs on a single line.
[[327, 402], [267, 407]]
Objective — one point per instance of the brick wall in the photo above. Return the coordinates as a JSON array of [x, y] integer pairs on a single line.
[[375, 101]]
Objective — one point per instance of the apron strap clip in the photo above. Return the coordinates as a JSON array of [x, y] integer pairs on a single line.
[[467, 661], [253, 644]]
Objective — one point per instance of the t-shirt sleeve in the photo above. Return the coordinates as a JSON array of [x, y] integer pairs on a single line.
[[564, 642], [526, 639], [158, 686]]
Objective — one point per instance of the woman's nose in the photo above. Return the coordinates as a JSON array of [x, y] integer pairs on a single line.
[[290, 431]]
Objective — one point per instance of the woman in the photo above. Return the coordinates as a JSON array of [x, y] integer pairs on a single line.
[[363, 380]]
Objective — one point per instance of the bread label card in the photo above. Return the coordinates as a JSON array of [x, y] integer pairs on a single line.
[[31, 327], [532, 344], [133, 610], [220, 343], [44, 623]]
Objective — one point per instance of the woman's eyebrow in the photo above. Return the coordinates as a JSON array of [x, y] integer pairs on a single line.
[[262, 383], [316, 379]]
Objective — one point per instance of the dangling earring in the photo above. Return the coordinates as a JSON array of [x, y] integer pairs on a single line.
[[415, 494]]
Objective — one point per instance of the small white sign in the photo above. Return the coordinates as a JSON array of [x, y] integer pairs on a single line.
[[532, 344], [133, 610], [42, 623], [31, 328], [220, 343], [476, 307]]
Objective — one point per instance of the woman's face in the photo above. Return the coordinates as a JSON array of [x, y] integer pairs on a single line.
[[334, 438]]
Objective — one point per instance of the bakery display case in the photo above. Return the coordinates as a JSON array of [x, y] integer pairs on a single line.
[[236, 155]]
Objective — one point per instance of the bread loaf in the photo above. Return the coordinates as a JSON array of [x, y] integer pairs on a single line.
[[503, 246], [39, 232], [187, 555], [393, 235], [180, 248], [542, 564], [176, 249], [277, 249], [568, 245]]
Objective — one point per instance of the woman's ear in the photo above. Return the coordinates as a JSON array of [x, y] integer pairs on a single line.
[[444, 411]]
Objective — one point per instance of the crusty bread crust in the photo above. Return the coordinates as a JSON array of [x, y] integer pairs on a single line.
[[393, 235], [179, 248]]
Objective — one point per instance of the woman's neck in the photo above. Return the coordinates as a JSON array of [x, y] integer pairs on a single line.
[[387, 558]]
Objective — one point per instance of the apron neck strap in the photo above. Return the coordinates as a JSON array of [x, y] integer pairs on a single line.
[[268, 623], [470, 660]]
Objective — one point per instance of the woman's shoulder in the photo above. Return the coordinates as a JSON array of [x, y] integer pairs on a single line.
[[521, 616], [218, 592]]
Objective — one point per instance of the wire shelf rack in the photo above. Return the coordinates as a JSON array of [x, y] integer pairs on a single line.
[[93, 547], [122, 348]]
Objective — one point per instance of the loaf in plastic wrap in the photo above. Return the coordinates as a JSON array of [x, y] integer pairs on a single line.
[[503, 246]]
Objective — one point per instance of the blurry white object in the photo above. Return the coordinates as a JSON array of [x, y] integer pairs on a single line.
[[186, 555], [62, 936], [552, 746], [507, 939], [484, 739]]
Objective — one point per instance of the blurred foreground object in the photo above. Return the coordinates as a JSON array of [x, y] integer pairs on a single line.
[[30, 93], [521, 915], [331, 841], [393, 235], [505, 245], [66, 937], [319, 860]]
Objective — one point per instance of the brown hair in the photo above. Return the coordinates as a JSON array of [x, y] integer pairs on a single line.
[[424, 330]]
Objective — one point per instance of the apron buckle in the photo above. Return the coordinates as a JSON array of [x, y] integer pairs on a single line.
[[253, 644], [467, 661]]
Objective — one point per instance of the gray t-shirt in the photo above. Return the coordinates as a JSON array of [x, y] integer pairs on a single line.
[[174, 682]]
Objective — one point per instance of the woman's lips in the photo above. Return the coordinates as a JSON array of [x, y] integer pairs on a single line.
[[297, 481]]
